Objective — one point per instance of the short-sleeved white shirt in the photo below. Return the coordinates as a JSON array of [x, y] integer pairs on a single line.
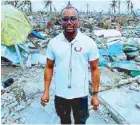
[[71, 64]]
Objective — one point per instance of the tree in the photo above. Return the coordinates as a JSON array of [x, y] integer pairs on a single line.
[[48, 3], [119, 4], [131, 7], [128, 2], [87, 9], [113, 6], [25, 5]]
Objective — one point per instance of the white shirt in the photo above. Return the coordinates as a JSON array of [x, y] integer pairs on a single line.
[[72, 60]]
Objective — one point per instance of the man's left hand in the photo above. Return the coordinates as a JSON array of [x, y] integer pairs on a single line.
[[95, 102]]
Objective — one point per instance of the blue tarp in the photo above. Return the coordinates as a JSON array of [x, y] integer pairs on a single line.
[[9, 54], [113, 50], [37, 34], [103, 61], [128, 65]]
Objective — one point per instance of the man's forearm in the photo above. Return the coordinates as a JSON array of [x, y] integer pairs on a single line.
[[47, 78], [95, 79]]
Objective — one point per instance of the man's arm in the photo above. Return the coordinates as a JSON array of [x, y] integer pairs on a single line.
[[48, 74], [95, 76]]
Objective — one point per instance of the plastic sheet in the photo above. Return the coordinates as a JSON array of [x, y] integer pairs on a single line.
[[37, 34], [128, 65], [10, 54]]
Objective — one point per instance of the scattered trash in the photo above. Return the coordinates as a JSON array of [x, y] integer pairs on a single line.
[[138, 79], [112, 53], [135, 73], [8, 82], [128, 65], [38, 58], [132, 54], [9, 53], [107, 33], [37, 34], [129, 49], [107, 77], [134, 88], [119, 64]]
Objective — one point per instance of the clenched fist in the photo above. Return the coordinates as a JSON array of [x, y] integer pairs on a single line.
[[45, 98], [95, 102]]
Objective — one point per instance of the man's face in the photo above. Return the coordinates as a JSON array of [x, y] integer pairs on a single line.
[[70, 21]]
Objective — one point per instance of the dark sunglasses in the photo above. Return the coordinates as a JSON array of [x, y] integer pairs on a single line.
[[66, 19]]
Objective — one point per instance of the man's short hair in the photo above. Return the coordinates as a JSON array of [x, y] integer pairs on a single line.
[[69, 6]]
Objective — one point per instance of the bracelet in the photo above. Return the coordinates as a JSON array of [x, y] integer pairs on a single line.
[[95, 93]]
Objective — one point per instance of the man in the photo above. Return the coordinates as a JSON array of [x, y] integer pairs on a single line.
[[72, 52]]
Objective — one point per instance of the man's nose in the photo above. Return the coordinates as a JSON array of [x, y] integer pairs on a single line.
[[69, 21]]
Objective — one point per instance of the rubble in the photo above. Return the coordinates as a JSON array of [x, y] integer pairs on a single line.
[[107, 77], [138, 79], [107, 33], [119, 102], [131, 33], [119, 62], [134, 88], [127, 65]]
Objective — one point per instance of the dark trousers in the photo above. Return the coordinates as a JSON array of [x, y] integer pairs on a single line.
[[79, 106]]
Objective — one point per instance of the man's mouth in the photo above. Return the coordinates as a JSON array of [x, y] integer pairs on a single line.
[[69, 27]]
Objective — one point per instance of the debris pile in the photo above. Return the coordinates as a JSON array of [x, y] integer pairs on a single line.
[[119, 62]]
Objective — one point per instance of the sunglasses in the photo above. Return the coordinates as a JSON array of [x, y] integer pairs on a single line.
[[72, 19]]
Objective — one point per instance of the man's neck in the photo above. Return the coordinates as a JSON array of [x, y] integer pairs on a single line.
[[70, 36]]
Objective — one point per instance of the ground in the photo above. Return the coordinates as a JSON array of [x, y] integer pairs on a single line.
[[21, 101]]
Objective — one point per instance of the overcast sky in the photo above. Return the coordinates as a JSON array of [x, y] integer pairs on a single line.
[[81, 5]]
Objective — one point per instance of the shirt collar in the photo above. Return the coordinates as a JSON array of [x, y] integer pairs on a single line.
[[76, 39]]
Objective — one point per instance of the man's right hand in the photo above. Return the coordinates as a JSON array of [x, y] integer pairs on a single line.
[[45, 98]]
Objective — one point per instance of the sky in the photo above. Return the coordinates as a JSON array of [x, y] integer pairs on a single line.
[[81, 5]]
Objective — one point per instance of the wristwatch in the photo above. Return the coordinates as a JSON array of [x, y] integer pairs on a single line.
[[94, 93]]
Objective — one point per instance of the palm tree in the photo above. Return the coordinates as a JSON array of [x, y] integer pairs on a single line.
[[55, 9], [13, 3], [29, 5], [87, 8], [119, 4], [128, 2], [21, 5], [113, 6], [131, 7], [48, 3]]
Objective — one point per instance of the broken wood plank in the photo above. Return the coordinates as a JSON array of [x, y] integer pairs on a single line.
[[116, 116]]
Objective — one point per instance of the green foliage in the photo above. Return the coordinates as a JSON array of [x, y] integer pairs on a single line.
[[105, 24]]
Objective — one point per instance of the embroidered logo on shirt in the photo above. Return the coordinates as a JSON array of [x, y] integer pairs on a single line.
[[78, 49]]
